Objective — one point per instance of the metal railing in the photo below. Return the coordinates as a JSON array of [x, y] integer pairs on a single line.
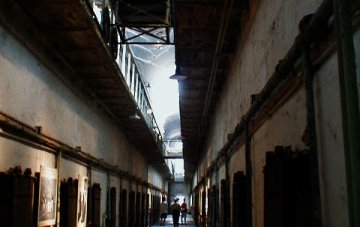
[[129, 69]]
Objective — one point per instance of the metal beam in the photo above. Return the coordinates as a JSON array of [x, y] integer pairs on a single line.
[[173, 157], [143, 32], [147, 43], [142, 11]]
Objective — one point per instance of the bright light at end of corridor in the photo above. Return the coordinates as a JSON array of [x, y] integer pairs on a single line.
[[164, 96]]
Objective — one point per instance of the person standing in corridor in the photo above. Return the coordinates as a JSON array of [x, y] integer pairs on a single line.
[[184, 211], [175, 210], [163, 211]]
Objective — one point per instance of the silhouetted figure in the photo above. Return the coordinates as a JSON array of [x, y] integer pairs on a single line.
[[175, 210]]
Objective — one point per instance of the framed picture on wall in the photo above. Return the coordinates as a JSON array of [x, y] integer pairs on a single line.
[[48, 181], [82, 197]]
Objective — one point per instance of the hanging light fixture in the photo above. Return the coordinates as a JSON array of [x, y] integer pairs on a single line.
[[149, 110], [135, 116], [178, 75]]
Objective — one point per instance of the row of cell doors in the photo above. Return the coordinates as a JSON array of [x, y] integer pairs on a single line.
[[18, 206], [133, 207], [287, 195]]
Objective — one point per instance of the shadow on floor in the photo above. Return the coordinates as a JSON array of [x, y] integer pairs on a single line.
[[169, 222]]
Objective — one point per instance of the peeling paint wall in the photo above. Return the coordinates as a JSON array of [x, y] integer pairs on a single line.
[[330, 143], [285, 128], [270, 32], [253, 64]]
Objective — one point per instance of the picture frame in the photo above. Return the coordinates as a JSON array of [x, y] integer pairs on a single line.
[[47, 201], [82, 199]]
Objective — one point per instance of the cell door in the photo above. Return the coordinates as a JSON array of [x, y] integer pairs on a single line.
[[113, 207], [123, 208], [225, 204], [96, 205], [240, 213], [147, 209], [287, 189], [137, 209], [131, 213], [68, 200]]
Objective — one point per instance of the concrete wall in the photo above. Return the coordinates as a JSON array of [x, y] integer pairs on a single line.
[[36, 94], [270, 32]]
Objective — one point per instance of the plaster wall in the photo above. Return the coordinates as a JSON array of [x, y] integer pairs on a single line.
[[284, 128], [72, 169], [195, 179], [272, 31], [269, 34], [32, 94], [15, 154], [155, 178], [267, 37], [330, 143], [237, 161]]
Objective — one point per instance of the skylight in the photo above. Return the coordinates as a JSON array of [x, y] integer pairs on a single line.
[[156, 62], [152, 59]]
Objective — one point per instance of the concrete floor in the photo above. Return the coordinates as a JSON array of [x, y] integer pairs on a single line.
[[169, 222]]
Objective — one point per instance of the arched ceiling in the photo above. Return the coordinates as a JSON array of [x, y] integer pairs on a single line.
[[172, 128]]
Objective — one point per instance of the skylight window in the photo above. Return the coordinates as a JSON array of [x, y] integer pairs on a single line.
[[147, 60]]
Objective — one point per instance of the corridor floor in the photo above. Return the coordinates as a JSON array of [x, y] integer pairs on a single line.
[[189, 221]]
